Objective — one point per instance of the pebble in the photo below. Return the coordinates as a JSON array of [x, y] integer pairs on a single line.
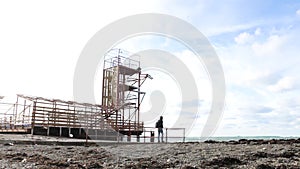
[[8, 144]]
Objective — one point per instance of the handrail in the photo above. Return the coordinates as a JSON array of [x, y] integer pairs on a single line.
[[147, 136]]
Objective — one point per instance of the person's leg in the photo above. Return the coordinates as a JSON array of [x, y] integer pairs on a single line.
[[158, 134]]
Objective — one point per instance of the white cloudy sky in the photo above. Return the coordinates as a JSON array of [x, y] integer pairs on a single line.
[[256, 41]]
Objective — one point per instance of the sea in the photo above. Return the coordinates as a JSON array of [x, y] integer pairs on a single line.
[[202, 139], [235, 138]]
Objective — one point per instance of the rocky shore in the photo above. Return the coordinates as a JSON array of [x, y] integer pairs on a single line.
[[259, 154]]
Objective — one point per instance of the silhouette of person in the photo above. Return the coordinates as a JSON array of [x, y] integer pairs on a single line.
[[160, 127]]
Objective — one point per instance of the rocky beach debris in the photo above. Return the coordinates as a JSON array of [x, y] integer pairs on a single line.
[[256, 154]]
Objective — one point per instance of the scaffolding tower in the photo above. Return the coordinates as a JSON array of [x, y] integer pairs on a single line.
[[121, 92]]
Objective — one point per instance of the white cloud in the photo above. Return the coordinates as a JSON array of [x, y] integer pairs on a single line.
[[248, 78], [298, 12], [243, 38], [257, 32], [285, 83], [246, 37], [270, 47]]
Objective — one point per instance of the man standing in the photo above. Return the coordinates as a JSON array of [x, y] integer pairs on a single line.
[[160, 126]]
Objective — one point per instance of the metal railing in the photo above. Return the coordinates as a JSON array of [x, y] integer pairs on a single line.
[[149, 135]]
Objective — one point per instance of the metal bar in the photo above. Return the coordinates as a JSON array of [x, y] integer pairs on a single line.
[[23, 114], [166, 135], [33, 118], [139, 99], [183, 134]]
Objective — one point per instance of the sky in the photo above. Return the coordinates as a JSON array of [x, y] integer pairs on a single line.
[[256, 41]]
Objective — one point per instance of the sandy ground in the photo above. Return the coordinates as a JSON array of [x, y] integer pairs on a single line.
[[236, 154]]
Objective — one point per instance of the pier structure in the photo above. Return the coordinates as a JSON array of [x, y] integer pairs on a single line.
[[117, 116]]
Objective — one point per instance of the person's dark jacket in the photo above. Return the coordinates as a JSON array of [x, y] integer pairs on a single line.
[[159, 124]]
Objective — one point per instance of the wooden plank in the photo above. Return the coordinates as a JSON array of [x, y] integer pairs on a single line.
[[14, 130], [71, 109], [58, 125], [68, 113]]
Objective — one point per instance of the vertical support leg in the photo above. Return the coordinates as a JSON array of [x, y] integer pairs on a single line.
[[16, 113], [118, 136], [32, 130], [129, 138], [144, 136], [24, 111], [96, 130], [166, 135], [33, 118], [87, 135], [10, 123], [184, 135], [48, 131]]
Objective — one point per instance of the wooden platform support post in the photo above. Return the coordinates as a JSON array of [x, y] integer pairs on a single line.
[[48, 131], [33, 117], [60, 131]]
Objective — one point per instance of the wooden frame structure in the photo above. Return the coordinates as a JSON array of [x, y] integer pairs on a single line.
[[54, 117], [118, 115]]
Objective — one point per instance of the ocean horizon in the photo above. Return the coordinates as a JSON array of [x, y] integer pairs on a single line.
[[236, 138], [215, 138]]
